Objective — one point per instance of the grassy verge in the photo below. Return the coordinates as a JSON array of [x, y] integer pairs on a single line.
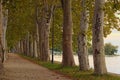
[[72, 72]]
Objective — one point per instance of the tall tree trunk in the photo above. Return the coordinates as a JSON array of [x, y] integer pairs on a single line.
[[44, 27], [2, 47], [44, 40], [18, 47], [27, 44], [24, 46], [35, 48], [82, 39], [1, 55], [68, 59], [37, 40], [21, 46], [98, 42], [4, 25], [31, 46], [37, 29]]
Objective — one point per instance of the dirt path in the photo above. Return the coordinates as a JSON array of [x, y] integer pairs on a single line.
[[17, 68]]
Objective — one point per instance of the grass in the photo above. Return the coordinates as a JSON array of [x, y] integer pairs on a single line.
[[72, 72]]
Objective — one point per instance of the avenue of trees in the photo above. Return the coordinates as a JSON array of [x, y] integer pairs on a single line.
[[27, 26]]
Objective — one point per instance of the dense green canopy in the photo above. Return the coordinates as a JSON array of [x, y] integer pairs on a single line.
[[22, 19]]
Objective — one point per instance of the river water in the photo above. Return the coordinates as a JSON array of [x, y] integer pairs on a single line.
[[112, 63]]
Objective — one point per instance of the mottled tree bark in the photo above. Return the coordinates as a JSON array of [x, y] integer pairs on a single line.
[[82, 39], [68, 59], [97, 41]]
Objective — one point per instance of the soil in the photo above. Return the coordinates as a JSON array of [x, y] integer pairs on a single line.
[[17, 68]]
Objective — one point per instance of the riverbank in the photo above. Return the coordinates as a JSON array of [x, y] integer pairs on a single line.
[[73, 72], [112, 62]]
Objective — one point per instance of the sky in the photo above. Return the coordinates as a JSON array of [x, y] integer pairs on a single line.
[[114, 38]]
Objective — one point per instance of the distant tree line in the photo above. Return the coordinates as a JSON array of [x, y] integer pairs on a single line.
[[108, 48]]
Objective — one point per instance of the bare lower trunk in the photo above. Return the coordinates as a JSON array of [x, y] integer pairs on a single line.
[[83, 53], [2, 47], [18, 47], [68, 59], [21, 46], [82, 39], [27, 45], [44, 42], [35, 48], [37, 40], [98, 42], [31, 47], [4, 25], [1, 54], [24, 46]]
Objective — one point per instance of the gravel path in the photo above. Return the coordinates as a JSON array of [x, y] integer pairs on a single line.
[[17, 68]]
